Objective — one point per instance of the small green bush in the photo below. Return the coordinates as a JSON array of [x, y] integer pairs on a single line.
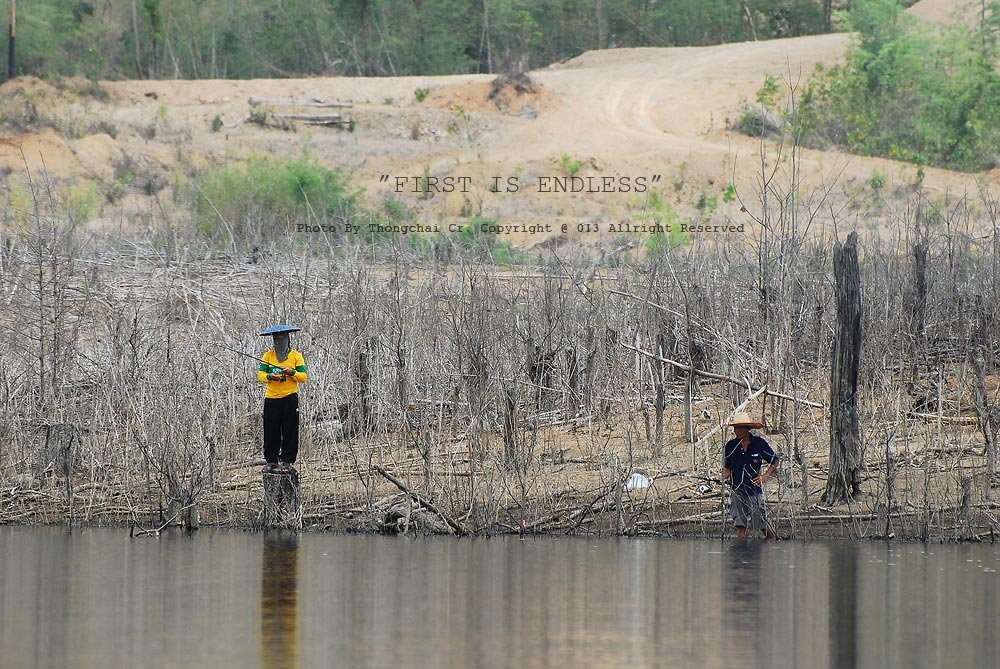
[[94, 90], [570, 165], [105, 127], [396, 210], [729, 195], [421, 94], [266, 196], [82, 201], [475, 241]]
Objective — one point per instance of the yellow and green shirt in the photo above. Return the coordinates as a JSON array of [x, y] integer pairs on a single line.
[[279, 389]]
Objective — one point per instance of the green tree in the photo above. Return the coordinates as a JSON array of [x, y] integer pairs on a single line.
[[910, 94]]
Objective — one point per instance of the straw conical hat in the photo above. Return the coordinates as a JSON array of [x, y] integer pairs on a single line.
[[743, 419]]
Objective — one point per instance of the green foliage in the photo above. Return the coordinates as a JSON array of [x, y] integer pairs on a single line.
[[421, 94], [654, 210], [680, 178], [396, 210], [83, 201], [707, 204], [248, 39], [472, 236], [263, 197], [60, 37], [126, 171], [476, 239], [763, 118], [767, 95], [570, 165], [729, 195], [257, 116], [907, 94], [659, 243], [106, 127], [94, 90]]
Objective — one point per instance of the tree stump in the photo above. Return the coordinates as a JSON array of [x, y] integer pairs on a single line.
[[282, 507]]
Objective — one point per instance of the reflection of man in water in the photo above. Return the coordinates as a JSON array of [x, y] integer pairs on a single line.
[[741, 603], [744, 457], [279, 644]]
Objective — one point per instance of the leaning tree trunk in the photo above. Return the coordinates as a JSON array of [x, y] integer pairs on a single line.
[[845, 440]]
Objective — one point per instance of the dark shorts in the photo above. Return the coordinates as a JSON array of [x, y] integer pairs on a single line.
[[748, 511]]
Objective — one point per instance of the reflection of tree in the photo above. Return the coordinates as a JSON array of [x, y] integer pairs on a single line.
[[741, 618], [279, 599], [843, 634]]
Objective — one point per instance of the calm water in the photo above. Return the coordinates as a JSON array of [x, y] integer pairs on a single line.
[[96, 598]]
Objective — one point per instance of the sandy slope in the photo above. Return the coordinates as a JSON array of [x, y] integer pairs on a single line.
[[622, 113], [945, 11]]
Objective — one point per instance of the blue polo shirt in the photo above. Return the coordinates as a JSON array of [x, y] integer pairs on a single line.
[[745, 466]]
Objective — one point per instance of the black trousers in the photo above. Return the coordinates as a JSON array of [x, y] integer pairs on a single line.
[[281, 428]]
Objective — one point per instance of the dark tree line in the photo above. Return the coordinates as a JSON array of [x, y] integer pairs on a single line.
[[111, 39]]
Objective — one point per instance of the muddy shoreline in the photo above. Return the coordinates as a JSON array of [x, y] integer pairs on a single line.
[[238, 504]]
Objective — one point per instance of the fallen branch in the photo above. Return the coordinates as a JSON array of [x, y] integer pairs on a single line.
[[710, 515], [298, 102], [458, 529], [155, 532], [951, 420], [720, 377]]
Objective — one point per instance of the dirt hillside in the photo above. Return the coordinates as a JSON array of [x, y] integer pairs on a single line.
[[624, 115]]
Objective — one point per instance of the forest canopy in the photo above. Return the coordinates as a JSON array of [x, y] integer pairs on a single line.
[[192, 39], [908, 93]]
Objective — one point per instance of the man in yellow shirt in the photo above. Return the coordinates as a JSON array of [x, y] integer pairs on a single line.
[[282, 368]]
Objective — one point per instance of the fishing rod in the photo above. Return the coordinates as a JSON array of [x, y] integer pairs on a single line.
[[272, 369]]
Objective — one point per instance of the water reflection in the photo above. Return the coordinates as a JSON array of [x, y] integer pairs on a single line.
[[842, 629], [279, 588], [96, 598], [742, 623]]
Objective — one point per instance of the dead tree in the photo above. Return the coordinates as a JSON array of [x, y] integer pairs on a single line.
[[661, 399], [360, 419], [918, 306], [845, 440], [987, 412]]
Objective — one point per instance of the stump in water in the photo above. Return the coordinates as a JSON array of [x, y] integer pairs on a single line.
[[282, 508]]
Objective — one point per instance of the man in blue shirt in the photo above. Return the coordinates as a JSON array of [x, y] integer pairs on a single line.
[[744, 457]]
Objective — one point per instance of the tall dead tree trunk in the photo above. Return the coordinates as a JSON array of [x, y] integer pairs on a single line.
[[598, 24], [359, 418], [11, 34], [661, 399], [135, 33], [845, 440], [918, 306], [510, 441], [986, 411]]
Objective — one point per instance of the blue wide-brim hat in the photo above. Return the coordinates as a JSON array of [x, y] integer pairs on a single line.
[[280, 328]]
